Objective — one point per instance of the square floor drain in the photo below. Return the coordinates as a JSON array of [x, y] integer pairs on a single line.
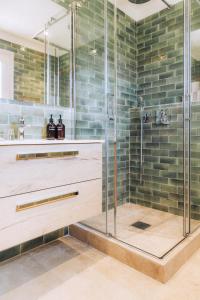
[[141, 225]]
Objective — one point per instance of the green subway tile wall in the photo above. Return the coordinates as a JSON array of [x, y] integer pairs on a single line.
[[162, 179], [160, 82], [150, 64], [160, 57], [90, 83], [27, 246], [195, 70], [36, 117]]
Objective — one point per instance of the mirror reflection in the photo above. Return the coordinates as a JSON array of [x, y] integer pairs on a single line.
[[35, 44]]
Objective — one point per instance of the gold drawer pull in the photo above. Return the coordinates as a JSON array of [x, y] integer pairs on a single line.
[[46, 201], [28, 156]]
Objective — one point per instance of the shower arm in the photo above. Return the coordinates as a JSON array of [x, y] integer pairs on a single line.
[[166, 3]]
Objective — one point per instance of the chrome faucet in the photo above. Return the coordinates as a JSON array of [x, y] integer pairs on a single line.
[[21, 129]]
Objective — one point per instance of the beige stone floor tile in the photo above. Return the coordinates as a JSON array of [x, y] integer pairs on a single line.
[[89, 275]]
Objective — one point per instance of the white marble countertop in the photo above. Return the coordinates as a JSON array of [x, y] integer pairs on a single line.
[[47, 142]]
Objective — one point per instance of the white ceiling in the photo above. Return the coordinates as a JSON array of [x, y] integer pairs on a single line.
[[25, 18], [141, 11]]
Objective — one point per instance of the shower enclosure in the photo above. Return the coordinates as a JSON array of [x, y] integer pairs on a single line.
[[136, 85]]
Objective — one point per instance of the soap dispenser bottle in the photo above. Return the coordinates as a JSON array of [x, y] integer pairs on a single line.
[[51, 129], [60, 129]]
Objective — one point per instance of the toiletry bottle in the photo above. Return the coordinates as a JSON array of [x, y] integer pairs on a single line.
[[60, 129], [51, 129]]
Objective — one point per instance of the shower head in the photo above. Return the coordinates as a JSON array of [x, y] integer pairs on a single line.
[[138, 1]]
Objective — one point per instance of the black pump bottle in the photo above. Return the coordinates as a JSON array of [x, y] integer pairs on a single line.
[[51, 129], [60, 129]]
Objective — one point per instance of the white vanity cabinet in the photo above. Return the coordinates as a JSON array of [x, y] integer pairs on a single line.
[[47, 185]]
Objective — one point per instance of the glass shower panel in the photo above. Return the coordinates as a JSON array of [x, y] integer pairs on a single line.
[[91, 86], [149, 93], [124, 90], [195, 114]]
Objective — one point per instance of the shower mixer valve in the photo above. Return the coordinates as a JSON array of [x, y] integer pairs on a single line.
[[162, 117]]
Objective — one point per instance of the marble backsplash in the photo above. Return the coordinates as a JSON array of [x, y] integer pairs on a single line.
[[35, 116]]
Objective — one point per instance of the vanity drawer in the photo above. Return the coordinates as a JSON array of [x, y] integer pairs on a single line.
[[29, 168], [26, 217]]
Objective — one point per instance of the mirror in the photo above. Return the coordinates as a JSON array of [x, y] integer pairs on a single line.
[[35, 47]]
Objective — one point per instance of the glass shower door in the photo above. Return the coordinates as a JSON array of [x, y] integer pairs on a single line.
[[149, 82], [90, 89]]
